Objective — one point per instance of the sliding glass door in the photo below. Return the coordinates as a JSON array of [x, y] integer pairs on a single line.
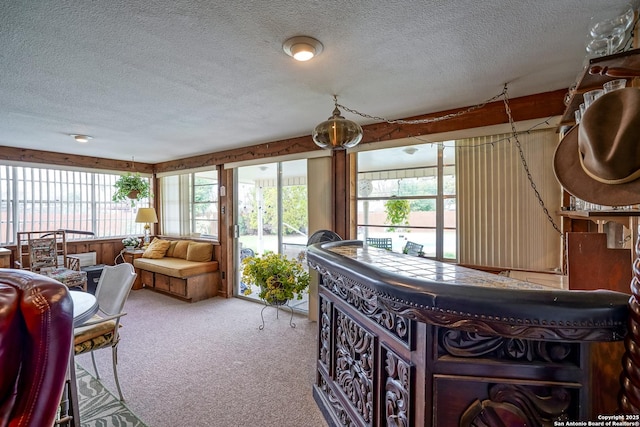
[[271, 214]]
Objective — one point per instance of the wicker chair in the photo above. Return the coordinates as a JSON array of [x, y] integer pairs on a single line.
[[45, 252]]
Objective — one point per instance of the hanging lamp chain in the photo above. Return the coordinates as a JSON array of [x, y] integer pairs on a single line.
[[524, 162], [420, 121]]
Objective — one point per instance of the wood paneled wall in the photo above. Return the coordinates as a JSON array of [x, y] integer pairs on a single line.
[[106, 249]]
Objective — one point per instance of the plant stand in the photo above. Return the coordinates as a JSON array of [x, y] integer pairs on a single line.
[[278, 306]]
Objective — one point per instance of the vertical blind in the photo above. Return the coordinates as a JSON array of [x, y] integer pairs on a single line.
[[501, 223]]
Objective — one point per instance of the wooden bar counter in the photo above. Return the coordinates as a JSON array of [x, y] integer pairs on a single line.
[[407, 341]]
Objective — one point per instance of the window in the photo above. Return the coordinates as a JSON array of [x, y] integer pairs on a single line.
[[199, 216], [205, 204], [35, 199], [408, 194]]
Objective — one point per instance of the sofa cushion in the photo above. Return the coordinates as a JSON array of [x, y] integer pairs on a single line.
[[175, 267], [180, 251], [172, 247], [156, 249], [201, 252]]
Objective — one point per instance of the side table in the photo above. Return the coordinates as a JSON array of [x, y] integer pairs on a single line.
[[5, 258], [128, 256]]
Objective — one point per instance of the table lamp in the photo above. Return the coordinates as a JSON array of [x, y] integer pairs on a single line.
[[147, 216]]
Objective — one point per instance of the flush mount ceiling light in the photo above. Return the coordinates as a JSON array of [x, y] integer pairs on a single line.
[[337, 132], [302, 48], [82, 138], [410, 150]]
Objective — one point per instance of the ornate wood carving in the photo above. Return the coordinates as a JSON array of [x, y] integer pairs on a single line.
[[325, 332], [365, 301], [471, 344], [524, 328], [515, 405], [355, 361], [397, 397], [630, 393], [335, 403]]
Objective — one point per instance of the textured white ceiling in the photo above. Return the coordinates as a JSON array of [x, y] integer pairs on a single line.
[[166, 79]]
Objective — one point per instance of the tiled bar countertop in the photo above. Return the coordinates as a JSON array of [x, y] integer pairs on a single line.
[[452, 293]]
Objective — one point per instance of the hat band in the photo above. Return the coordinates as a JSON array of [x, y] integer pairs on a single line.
[[624, 180]]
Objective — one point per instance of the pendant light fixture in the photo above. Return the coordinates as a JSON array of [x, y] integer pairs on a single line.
[[337, 133]]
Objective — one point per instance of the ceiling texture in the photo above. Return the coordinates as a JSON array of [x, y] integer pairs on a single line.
[[157, 80]]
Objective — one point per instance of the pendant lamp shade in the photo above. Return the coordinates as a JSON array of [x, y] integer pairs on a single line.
[[337, 132]]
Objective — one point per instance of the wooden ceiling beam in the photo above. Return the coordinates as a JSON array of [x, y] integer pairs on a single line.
[[62, 159], [525, 108]]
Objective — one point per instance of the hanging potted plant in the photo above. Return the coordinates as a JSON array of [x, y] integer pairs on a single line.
[[279, 278], [397, 211], [131, 186]]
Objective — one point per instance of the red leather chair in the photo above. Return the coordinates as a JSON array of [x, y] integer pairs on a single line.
[[36, 329]]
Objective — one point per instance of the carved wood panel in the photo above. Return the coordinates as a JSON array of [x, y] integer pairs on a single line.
[[367, 302], [397, 391], [338, 410], [494, 402], [512, 404], [355, 360], [324, 338], [466, 344]]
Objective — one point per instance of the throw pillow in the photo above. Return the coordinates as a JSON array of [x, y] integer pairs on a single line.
[[199, 252], [156, 249], [172, 247], [180, 251]]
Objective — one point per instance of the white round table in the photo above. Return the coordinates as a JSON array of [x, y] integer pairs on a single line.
[[85, 305]]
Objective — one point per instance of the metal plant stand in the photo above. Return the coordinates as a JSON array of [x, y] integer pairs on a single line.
[[278, 306]]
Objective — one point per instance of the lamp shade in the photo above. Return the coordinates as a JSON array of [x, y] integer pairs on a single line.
[[147, 215], [337, 132]]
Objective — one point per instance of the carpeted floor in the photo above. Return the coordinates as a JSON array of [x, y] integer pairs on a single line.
[[100, 408], [207, 364]]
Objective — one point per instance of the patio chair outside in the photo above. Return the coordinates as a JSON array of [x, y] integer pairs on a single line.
[[380, 242], [412, 248]]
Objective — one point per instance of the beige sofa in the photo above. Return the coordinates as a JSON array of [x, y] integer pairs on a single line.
[[181, 268]]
